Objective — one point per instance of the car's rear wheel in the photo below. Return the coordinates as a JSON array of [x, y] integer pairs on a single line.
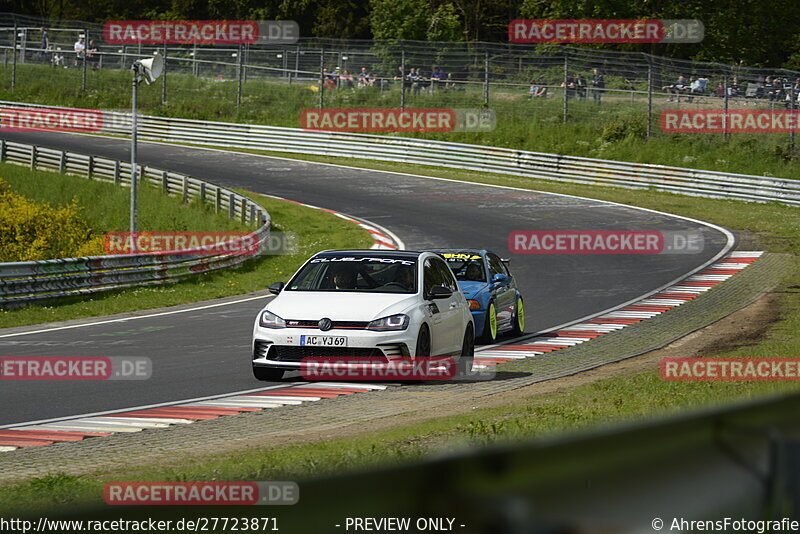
[[518, 326], [267, 373], [423, 343], [490, 325], [467, 356]]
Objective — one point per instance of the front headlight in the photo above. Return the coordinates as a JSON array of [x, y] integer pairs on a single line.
[[393, 322], [270, 320]]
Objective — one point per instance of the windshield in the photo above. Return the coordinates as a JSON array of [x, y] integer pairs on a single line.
[[466, 267], [363, 274]]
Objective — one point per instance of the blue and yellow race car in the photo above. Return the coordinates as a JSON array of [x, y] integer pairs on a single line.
[[491, 292]]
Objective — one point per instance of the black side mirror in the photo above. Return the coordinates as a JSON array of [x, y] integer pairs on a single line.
[[276, 288], [439, 292]]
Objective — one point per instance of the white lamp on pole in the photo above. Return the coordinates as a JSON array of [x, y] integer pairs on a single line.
[[148, 70]]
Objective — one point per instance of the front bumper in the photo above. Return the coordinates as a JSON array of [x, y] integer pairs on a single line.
[[280, 348]]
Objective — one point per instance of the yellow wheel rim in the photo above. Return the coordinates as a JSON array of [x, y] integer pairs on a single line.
[[492, 321], [520, 316]]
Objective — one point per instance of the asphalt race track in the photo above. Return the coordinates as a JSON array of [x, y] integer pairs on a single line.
[[205, 352]]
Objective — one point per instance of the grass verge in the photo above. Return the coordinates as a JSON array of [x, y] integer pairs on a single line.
[[315, 229], [616, 129]]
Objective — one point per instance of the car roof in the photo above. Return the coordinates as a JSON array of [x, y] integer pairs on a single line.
[[481, 252], [404, 254]]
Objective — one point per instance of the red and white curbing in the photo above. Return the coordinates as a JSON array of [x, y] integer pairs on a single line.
[[138, 419], [636, 312], [382, 238]]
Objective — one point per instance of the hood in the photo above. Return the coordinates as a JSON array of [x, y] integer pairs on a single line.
[[471, 289], [339, 306]]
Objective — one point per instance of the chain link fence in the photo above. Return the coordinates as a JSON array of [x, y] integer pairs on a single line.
[[626, 91]]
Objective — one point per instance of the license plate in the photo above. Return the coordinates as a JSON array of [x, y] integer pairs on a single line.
[[324, 341]]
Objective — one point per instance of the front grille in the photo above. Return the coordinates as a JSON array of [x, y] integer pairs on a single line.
[[342, 325], [295, 354]]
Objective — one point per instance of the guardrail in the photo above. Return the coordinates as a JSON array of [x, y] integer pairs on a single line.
[[24, 283], [523, 163]]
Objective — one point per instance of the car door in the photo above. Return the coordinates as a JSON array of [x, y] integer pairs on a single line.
[[435, 310], [453, 319], [505, 296]]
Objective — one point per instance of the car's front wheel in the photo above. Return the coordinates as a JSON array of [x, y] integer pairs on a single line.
[[467, 356], [423, 343], [518, 326], [270, 374], [489, 335]]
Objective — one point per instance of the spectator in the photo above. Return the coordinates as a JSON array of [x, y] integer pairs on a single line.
[[58, 59], [364, 78], [414, 80], [580, 85], [697, 87], [598, 84], [328, 81], [733, 88], [91, 55], [80, 50], [346, 80], [775, 90], [569, 86], [677, 88], [45, 46], [437, 77], [450, 83], [720, 90]]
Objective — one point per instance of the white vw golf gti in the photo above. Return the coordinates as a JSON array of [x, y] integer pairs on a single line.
[[364, 303]]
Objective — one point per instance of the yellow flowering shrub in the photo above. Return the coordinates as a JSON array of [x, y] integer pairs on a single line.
[[33, 231]]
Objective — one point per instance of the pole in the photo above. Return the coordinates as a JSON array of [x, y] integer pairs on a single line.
[[725, 104], [239, 78], [14, 60], [134, 207], [194, 60], [566, 89], [486, 79], [164, 79], [85, 58], [791, 132], [402, 79], [649, 98], [321, 76]]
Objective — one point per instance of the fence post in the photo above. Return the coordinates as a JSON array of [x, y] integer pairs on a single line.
[[402, 79], [244, 210], [90, 167], [62, 162], [194, 61], [202, 194], [239, 78], [14, 60], [725, 107], [649, 98], [218, 200], [116, 170], [185, 198], [566, 89], [245, 59], [486, 79], [2, 149], [85, 58], [164, 182], [33, 157], [164, 79], [231, 206], [321, 77]]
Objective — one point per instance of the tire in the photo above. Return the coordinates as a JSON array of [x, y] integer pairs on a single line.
[[467, 356], [270, 374], [518, 326], [423, 343], [489, 335]]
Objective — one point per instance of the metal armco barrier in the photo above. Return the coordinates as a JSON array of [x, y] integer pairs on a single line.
[[535, 165], [24, 283]]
